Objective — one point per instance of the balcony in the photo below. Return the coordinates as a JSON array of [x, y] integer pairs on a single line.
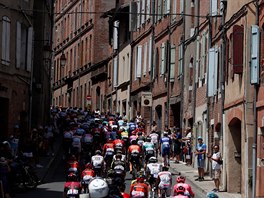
[[98, 72]]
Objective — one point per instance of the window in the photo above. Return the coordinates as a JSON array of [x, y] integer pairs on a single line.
[[5, 41], [238, 49], [180, 67], [145, 58], [174, 10], [172, 62], [139, 61], [213, 9], [138, 16], [143, 3], [163, 58]]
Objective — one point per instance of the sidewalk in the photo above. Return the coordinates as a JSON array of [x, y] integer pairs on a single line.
[[204, 186], [46, 161]]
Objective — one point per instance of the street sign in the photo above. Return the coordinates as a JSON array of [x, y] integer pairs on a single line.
[[88, 97]]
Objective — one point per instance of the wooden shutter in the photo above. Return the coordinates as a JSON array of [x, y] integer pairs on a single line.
[[115, 72], [150, 53], [198, 45], [213, 7], [172, 62], [154, 68], [143, 3], [133, 16], [139, 61], [145, 58], [238, 49], [3, 41], [148, 10], [29, 49], [254, 69], [211, 72], [18, 44], [162, 59]]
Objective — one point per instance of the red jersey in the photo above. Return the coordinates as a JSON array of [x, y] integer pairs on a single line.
[[139, 190], [72, 185], [73, 165], [119, 143], [89, 172], [134, 149], [108, 147]]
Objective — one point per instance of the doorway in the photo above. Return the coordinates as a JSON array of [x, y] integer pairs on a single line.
[[4, 104], [158, 116]]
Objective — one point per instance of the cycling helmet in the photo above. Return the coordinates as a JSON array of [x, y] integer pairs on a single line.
[[118, 156], [98, 188], [165, 133], [139, 133], [133, 141], [98, 152], [110, 140], [125, 195], [152, 160], [165, 168], [141, 177], [148, 139], [180, 190], [180, 179], [211, 195], [88, 165], [72, 177]]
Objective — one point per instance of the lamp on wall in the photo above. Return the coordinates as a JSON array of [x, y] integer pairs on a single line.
[[63, 60]]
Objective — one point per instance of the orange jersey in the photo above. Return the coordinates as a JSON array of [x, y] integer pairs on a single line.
[[89, 172], [118, 143], [139, 190], [134, 149], [108, 146]]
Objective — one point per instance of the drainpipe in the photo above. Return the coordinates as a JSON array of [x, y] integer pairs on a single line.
[[153, 51], [254, 145], [222, 88]]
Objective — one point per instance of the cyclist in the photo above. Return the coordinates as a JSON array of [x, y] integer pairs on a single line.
[[119, 144], [73, 166], [119, 168], [152, 171], [164, 181], [155, 140], [87, 174], [108, 152], [98, 162], [181, 182], [72, 187], [134, 155], [165, 147], [139, 188], [148, 148]]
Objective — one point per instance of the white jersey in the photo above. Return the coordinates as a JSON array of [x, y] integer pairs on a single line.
[[123, 159], [165, 179], [97, 161], [154, 138], [154, 169]]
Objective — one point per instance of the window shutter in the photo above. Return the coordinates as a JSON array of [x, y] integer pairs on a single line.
[[162, 61], [203, 61], [8, 42], [18, 44], [172, 62], [138, 14], [197, 58], [159, 9], [238, 49], [133, 16], [115, 72], [135, 63], [174, 10], [180, 67], [139, 61], [145, 58], [154, 63], [29, 48], [213, 7], [216, 71], [4, 40], [182, 6], [254, 73], [143, 11], [115, 35], [164, 7], [148, 10], [211, 72], [168, 6], [150, 53]]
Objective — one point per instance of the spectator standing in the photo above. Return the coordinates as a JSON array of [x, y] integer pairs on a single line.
[[188, 144], [216, 166], [200, 153], [36, 140], [176, 137]]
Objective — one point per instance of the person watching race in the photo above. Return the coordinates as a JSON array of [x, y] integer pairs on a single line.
[[164, 181], [181, 182]]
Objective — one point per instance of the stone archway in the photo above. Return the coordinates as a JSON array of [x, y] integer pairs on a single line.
[[234, 172]]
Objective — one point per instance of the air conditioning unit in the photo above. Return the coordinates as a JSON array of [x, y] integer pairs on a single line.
[[146, 99]]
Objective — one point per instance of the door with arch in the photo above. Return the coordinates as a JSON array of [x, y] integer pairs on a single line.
[[158, 116]]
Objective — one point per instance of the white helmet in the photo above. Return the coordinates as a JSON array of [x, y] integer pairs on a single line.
[[98, 188]]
